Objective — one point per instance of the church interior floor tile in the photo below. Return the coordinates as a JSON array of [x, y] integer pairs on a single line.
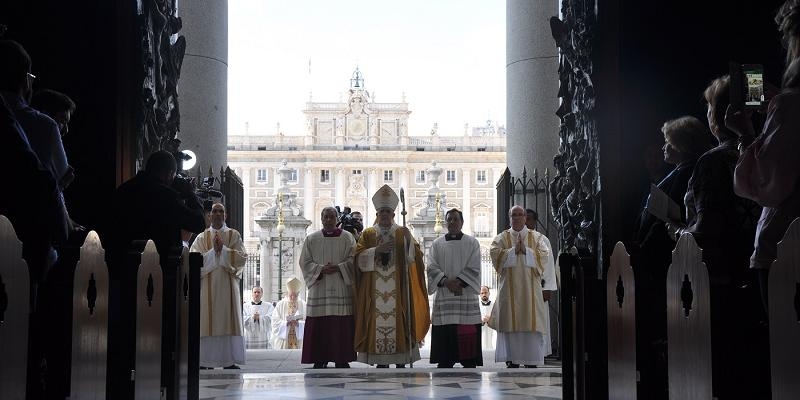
[[382, 385]]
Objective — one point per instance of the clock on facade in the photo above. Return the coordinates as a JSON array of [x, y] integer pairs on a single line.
[[356, 127]]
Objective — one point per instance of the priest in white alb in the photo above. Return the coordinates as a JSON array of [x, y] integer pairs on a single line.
[[454, 278], [520, 256], [221, 339], [327, 264]]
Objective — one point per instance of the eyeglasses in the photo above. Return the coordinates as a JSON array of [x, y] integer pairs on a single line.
[[518, 215], [31, 76]]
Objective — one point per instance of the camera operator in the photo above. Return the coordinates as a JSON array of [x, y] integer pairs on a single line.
[[151, 205], [154, 205], [350, 221]]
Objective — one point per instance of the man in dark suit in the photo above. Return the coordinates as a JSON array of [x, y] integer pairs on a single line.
[[152, 205]]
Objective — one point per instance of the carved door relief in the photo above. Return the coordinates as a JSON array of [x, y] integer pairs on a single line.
[[575, 189], [161, 59]]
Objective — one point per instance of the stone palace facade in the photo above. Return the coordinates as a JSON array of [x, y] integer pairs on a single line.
[[349, 150]]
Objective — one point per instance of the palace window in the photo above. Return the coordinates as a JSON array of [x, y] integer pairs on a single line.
[[261, 175], [451, 176], [325, 176], [388, 175], [293, 175], [356, 172], [480, 176], [480, 223], [421, 176]]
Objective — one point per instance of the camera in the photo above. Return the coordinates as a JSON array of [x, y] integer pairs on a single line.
[[205, 192], [184, 185], [348, 222]]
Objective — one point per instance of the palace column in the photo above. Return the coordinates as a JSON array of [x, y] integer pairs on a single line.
[[403, 182], [340, 187], [308, 194], [466, 205], [372, 186]]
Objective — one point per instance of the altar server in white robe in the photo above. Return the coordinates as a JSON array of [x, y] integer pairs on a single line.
[[520, 256], [257, 326], [487, 334], [221, 339], [453, 267]]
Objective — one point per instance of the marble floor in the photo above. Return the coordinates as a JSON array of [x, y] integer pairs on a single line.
[[277, 374]]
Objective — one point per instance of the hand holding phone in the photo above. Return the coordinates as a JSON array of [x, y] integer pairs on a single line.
[[739, 121], [747, 86]]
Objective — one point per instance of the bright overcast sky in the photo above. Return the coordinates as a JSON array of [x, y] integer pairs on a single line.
[[447, 56]]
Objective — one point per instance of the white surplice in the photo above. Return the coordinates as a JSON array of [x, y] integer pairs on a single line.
[[221, 339], [257, 332]]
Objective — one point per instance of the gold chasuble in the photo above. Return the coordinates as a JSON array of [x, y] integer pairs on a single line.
[[519, 306], [380, 296]]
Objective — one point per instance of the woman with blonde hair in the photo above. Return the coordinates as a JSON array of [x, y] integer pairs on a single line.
[[685, 139]]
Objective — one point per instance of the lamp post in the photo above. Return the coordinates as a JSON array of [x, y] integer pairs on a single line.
[[281, 227]]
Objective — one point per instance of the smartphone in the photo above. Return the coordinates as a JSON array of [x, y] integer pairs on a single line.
[[747, 85]]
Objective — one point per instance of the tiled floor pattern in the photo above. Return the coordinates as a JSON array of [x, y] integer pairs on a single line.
[[278, 374], [384, 385]]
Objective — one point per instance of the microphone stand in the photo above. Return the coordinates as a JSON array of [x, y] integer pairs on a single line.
[[407, 279]]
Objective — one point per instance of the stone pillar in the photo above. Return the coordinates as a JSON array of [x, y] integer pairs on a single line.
[[403, 182], [309, 195], [266, 267], [341, 187], [531, 85], [203, 87], [372, 186], [466, 204]]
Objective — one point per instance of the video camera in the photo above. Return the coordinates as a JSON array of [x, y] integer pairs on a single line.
[[186, 185], [206, 192], [348, 222]]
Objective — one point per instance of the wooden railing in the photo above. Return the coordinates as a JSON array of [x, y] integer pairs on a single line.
[[155, 332], [688, 323]]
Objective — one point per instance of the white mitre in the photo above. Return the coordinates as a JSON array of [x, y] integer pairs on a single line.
[[385, 197], [293, 285]]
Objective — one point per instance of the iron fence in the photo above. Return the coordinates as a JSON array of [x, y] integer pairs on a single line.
[[530, 192], [251, 276]]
